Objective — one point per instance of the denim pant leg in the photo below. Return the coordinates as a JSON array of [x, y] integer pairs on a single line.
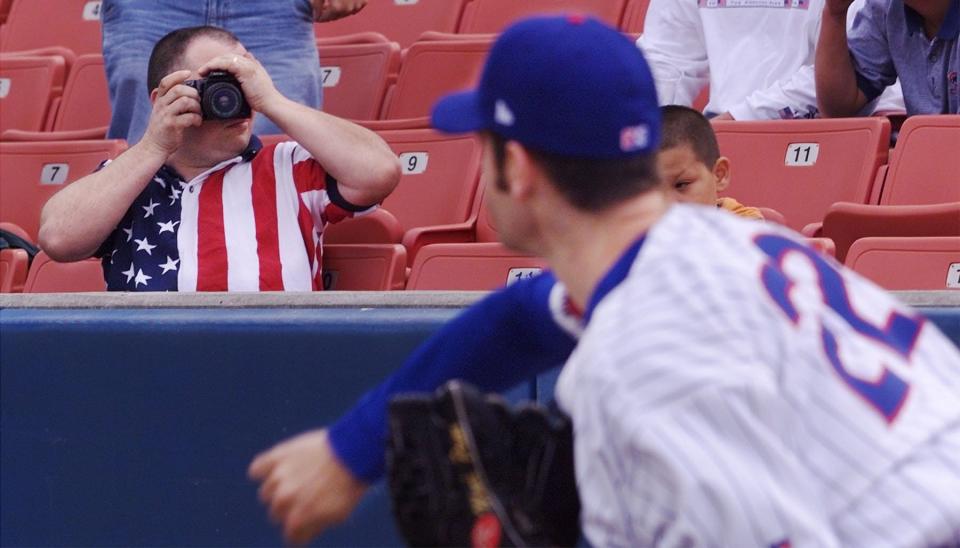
[[280, 34], [130, 30]]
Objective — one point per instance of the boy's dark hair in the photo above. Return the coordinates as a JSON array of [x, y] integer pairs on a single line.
[[686, 126], [168, 52], [590, 184]]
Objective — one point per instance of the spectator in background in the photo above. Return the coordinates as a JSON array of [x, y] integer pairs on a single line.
[[915, 40], [756, 55], [690, 163], [279, 33], [196, 205]]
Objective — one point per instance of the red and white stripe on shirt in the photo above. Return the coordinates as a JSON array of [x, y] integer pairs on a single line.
[[257, 225]]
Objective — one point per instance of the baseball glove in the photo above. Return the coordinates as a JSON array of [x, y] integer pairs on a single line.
[[467, 470]]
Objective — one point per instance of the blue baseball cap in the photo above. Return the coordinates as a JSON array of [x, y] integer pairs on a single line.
[[567, 85]]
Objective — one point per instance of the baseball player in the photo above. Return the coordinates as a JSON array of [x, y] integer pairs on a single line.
[[728, 386]]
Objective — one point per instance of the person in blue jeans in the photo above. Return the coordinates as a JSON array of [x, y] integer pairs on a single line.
[[279, 33]]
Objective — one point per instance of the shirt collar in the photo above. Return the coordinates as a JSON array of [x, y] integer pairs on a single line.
[[248, 154], [949, 29], [617, 273]]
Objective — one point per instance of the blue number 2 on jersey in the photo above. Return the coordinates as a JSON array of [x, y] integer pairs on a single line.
[[887, 393]]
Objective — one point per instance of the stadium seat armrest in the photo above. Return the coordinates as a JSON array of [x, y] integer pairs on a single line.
[[46, 136], [813, 230]]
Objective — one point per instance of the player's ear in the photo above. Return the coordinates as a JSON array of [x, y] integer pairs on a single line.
[[721, 171], [153, 95], [519, 169]]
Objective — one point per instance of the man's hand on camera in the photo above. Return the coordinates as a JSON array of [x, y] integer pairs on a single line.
[[257, 85], [176, 108], [331, 10]]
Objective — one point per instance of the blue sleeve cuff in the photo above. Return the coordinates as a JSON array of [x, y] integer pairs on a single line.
[[870, 89], [508, 337]]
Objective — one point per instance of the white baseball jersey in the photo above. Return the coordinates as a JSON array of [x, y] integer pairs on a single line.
[[734, 388]]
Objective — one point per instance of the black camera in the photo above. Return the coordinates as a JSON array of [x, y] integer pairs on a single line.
[[221, 97]]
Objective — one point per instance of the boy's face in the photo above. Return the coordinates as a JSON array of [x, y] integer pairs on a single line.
[[689, 179]]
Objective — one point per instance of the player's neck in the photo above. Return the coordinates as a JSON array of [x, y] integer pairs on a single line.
[[583, 249]]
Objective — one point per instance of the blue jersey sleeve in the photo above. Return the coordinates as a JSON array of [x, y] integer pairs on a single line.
[[506, 338]]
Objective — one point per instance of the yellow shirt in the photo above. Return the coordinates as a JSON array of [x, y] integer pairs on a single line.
[[737, 208]]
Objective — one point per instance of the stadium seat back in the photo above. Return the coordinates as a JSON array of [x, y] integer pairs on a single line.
[[374, 267], [925, 164], [634, 16], [801, 167], [355, 77], [49, 276], [439, 177], [13, 270], [74, 24], [845, 223], [28, 85], [895, 263], [32, 172], [399, 20], [86, 101], [431, 69], [492, 16], [470, 267]]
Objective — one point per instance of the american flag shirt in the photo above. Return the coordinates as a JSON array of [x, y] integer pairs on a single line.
[[251, 223]]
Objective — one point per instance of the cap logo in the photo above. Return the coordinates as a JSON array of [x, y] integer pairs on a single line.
[[634, 138], [502, 114]]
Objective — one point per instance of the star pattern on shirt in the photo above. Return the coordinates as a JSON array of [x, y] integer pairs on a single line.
[[149, 208], [144, 245], [171, 264], [128, 232], [160, 182], [168, 226], [174, 195], [129, 273], [142, 278]]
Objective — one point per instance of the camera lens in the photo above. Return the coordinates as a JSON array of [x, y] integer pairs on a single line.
[[223, 100]]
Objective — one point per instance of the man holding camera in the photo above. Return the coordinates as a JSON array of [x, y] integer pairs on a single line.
[[198, 204]]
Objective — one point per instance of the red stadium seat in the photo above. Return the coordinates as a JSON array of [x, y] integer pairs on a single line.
[[32, 172], [28, 86], [438, 185], [925, 164], [376, 267], [49, 276], [4, 10], [401, 22], [356, 76], [74, 24], [845, 223], [823, 245], [801, 167], [468, 267], [431, 69], [634, 16], [491, 16], [924, 263], [13, 270], [83, 112]]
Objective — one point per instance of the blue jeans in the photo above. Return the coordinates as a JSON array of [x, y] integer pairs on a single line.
[[278, 32]]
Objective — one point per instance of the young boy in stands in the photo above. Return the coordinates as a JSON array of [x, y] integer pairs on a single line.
[[691, 164]]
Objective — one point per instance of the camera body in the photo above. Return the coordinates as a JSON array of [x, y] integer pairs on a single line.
[[221, 97]]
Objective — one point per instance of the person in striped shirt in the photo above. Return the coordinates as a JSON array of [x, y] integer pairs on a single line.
[[727, 384], [200, 205]]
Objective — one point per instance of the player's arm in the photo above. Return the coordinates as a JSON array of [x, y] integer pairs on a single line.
[[76, 220], [839, 87], [365, 168], [505, 339]]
